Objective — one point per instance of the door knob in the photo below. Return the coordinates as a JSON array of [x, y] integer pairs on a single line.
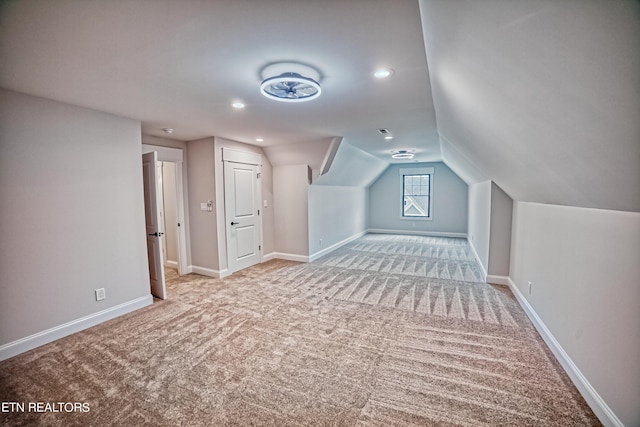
[[157, 234], [234, 223]]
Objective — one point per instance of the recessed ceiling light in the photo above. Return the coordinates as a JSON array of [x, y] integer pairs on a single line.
[[388, 137], [237, 104], [402, 154], [382, 73], [259, 139], [167, 130]]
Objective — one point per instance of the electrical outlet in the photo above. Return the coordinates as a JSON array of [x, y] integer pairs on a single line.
[[530, 285], [100, 294]]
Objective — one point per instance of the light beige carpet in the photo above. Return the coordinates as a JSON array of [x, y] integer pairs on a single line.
[[288, 344]]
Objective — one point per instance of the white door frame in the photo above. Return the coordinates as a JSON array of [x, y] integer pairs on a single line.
[[160, 197], [152, 224], [175, 155], [248, 158]]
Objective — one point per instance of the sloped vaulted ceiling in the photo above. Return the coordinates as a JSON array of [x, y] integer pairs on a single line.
[[543, 97]]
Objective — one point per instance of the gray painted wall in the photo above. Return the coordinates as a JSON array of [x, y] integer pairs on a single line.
[[72, 214], [480, 221], [490, 211], [290, 204], [202, 224], [206, 182], [335, 214], [500, 232], [449, 202], [583, 264]]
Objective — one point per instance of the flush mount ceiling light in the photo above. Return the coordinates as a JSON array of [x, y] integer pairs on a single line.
[[290, 82], [403, 154], [167, 130], [238, 105]]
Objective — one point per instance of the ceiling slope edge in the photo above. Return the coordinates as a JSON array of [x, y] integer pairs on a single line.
[[460, 164], [352, 167]]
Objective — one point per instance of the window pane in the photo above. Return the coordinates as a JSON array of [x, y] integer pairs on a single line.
[[415, 196], [423, 202]]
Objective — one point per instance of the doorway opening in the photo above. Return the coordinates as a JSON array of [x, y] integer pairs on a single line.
[[166, 243], [169, 224]]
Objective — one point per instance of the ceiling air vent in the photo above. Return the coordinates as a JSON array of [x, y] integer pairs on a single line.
[[383, 131]]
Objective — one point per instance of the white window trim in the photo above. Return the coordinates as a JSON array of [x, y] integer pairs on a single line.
[[417, 171]]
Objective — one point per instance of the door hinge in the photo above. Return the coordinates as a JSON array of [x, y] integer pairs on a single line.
[[258, 175], [258, 212], [259, 247]]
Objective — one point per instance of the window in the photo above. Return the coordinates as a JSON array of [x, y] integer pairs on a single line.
[[416, 192]]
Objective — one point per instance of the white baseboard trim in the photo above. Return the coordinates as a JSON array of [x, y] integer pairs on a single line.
[[335, 246], [498, 280], [269, 257], [606, 416], [209, 272], [36, 340], [417, 233], [482, 269], [289, 257], [171, 264]]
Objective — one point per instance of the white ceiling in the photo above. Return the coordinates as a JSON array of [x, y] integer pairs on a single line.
[[180, 64], [541, 96]]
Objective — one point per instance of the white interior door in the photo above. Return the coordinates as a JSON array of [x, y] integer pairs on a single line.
[[152, 219], [242, 213]]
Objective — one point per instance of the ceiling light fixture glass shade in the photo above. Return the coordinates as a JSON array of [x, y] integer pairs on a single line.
[[290, 87]]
